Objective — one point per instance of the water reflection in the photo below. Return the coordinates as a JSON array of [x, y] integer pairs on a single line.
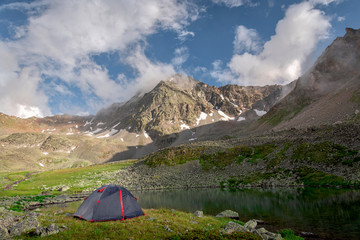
[[331, 213]]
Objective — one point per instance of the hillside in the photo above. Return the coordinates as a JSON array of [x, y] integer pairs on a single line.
[[328, 93]]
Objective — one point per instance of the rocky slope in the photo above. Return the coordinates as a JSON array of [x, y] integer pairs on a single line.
[[328, 93], [54, 124], [324, 156]]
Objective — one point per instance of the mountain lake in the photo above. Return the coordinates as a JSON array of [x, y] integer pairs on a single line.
[[328, 213]]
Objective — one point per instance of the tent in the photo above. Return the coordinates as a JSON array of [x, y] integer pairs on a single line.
[[109, 202]]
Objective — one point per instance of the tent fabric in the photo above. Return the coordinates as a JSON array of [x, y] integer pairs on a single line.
[[109, 202]]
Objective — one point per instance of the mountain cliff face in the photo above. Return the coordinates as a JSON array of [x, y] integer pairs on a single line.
[[328, 93], [181, 103]]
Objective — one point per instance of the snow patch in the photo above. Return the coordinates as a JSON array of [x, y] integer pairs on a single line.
[[192, 139], [97, 130], [104, 136], [121, 139], [241, 119], [234, 105], [184, 126], [100, 123], [45, 153], [260, 112], [88, 123], [202, 117], [70, 133], [116, 125], [137, 135], [222, 97], [76, 126], [113, 132], [41, 165], [224, 116], [146, 135]]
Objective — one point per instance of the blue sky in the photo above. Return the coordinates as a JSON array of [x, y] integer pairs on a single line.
[[75, 57]]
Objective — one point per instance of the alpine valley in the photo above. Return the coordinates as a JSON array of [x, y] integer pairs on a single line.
[[186, 134], [255, 135]]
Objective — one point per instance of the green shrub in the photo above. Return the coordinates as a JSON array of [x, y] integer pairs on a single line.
[[289, 234]]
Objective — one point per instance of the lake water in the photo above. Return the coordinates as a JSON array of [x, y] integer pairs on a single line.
[[330, 213]]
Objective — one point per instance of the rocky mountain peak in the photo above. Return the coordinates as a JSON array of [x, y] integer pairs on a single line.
[[179, 103]]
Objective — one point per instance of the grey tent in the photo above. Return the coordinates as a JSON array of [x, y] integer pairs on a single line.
[[109, 202]]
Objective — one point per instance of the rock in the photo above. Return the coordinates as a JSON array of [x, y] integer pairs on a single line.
[[52, 229], [29, 223], [69, 214], [228, 213], [4, 233], [250, 225], [199, 213], [8, 221], [234, 227], [262, 230], [309, 235], [46, 231], [167, 228], [63, 188], [357, 112]]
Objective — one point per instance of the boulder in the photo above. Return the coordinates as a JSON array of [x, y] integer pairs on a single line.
[[46, 231], [199, 213], [250, 225], [29, 223], [234, 227], [4, 233], [229, 214], [167, 228], [63, 188]]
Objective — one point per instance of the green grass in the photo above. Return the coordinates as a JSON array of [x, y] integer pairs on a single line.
[[289, 234], [287, 111], [279, 156], [78, 178], [173, 156], [21, 205], [10, 177], [313, 177], [355, 98], [211, 235], [151, 226], [323, 152], [221, 159]]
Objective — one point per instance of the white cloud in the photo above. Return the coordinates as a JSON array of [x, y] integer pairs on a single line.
[[324, 2], [246, 40], [341, 18], [221, 74], [284, 55], [181, 54], [232, 3], [148, 73], [61, 36], [184, 35]]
